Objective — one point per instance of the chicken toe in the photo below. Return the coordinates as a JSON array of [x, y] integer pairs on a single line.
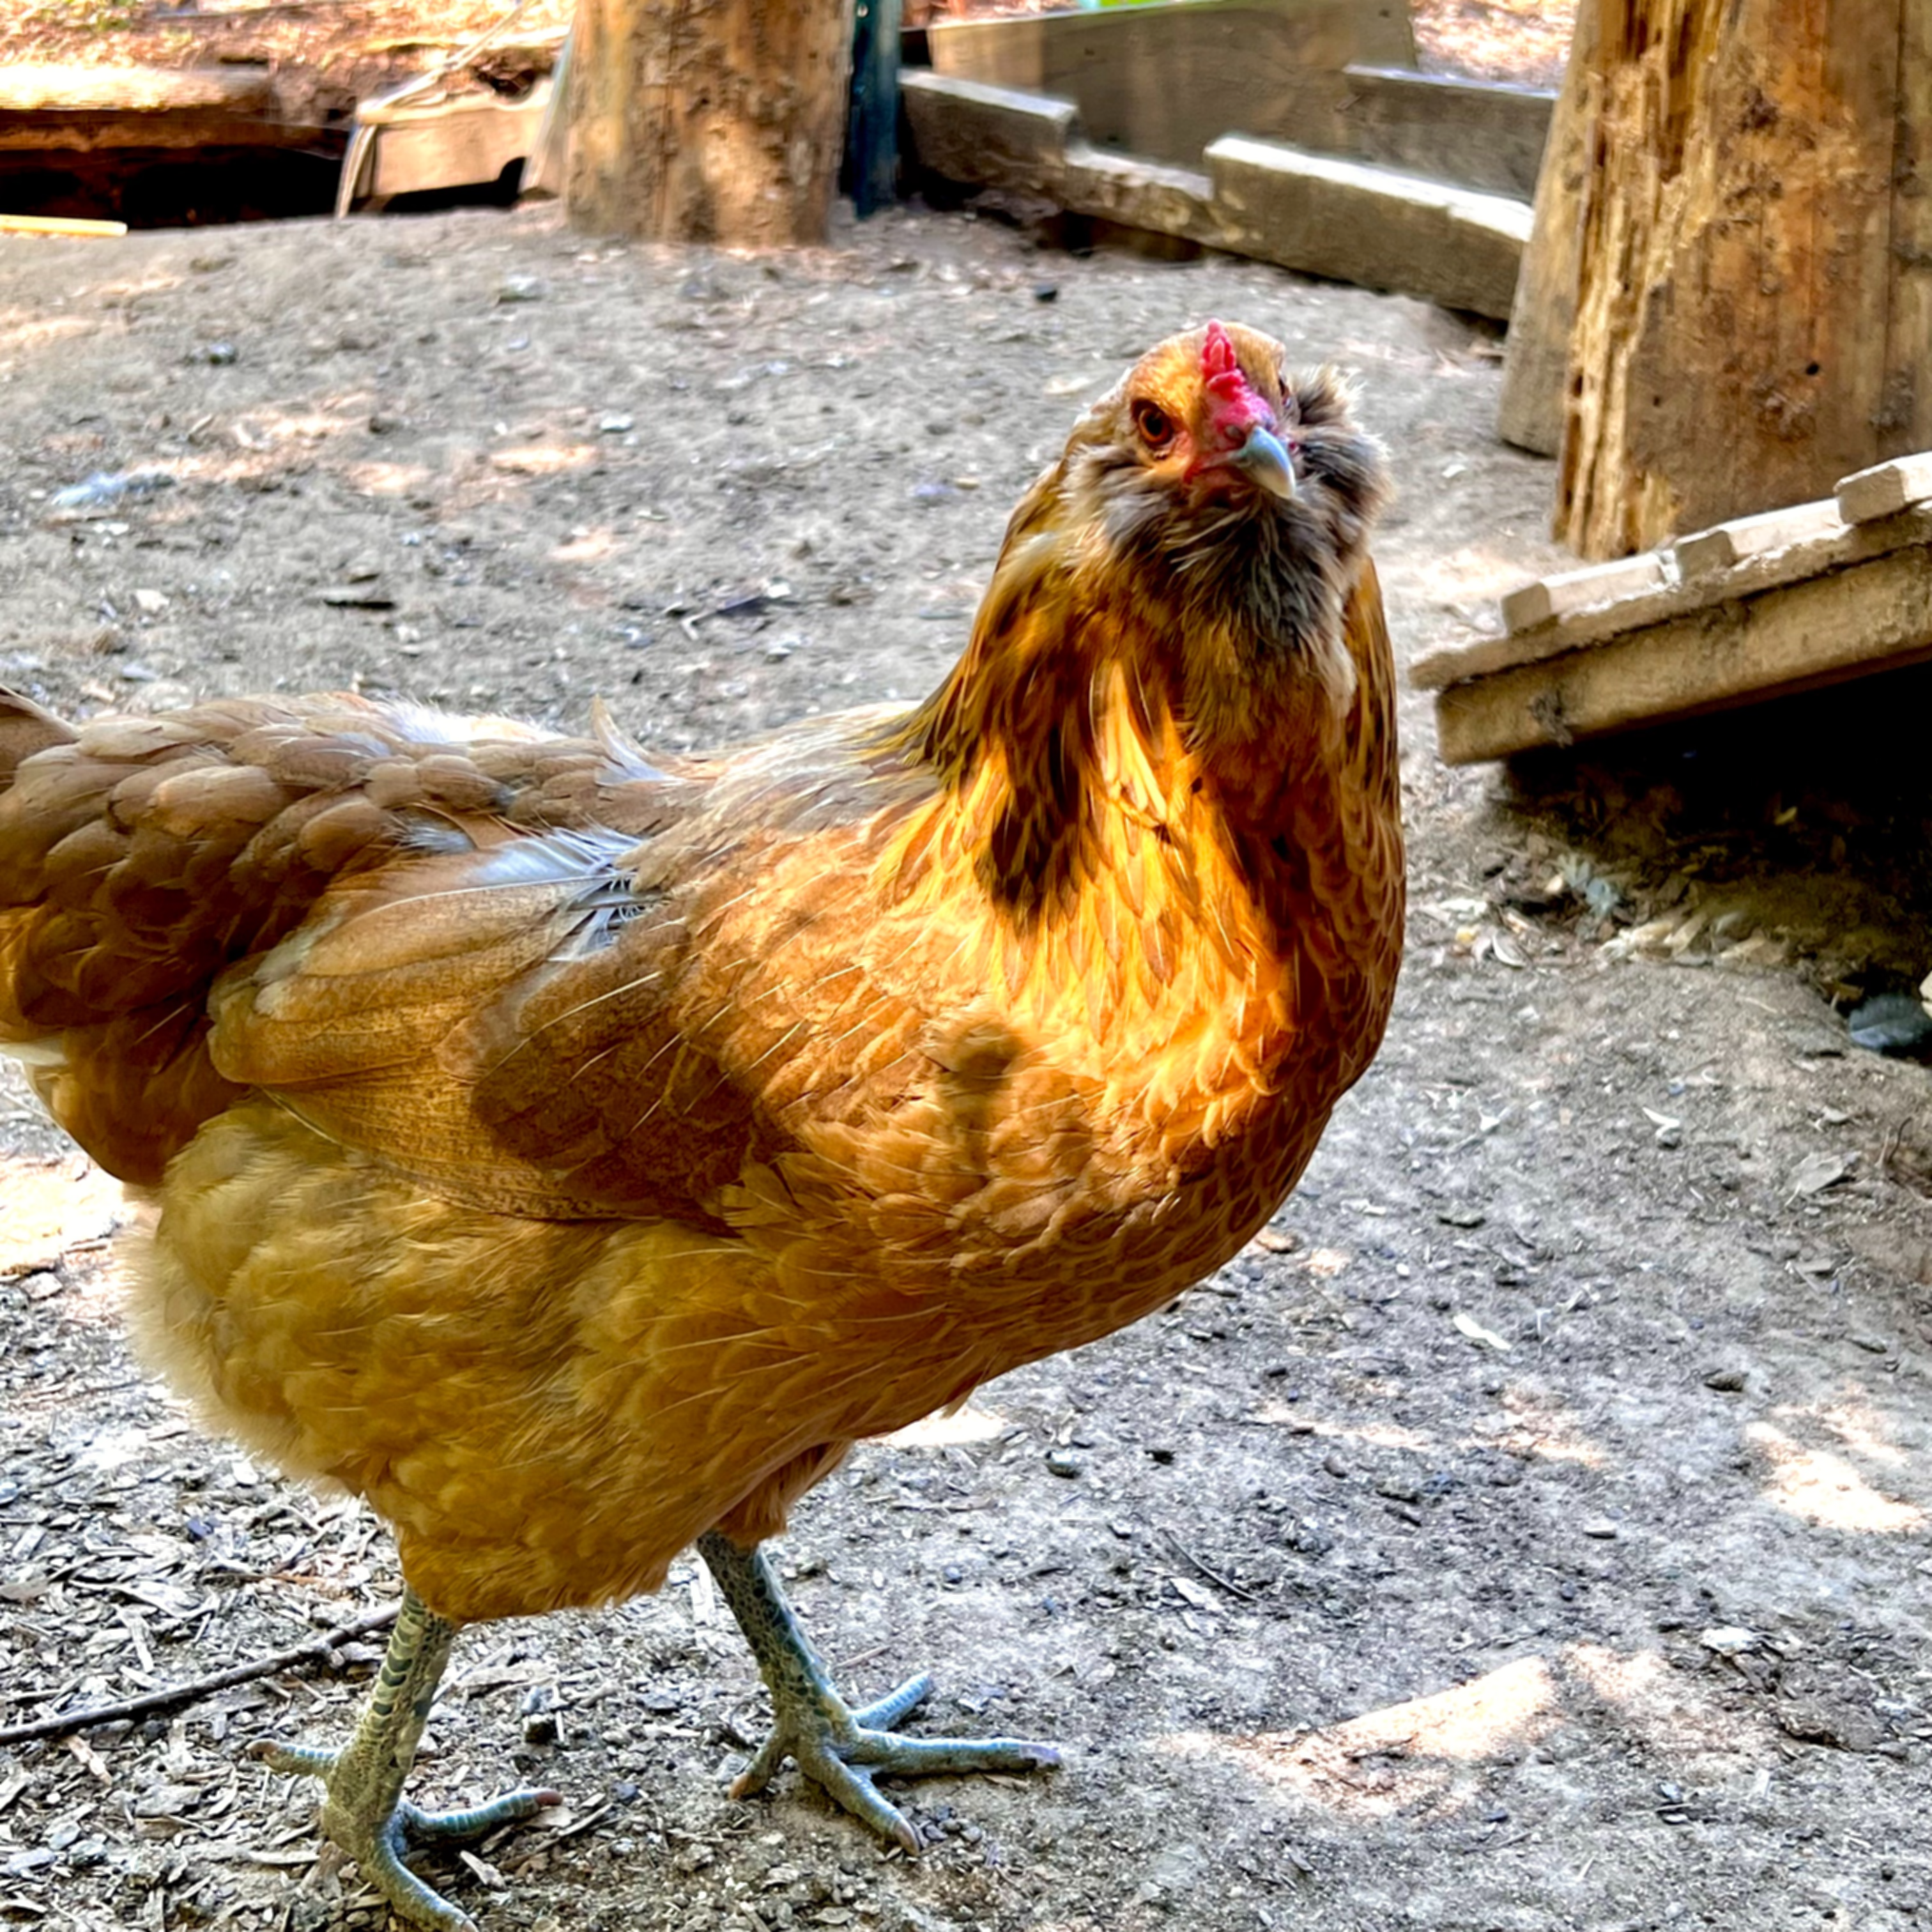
[[844, 1749], [364, 1812]]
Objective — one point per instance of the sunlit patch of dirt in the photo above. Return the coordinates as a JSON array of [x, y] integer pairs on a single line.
[[1822, 1488], [48, 1208], [1425, 1757]]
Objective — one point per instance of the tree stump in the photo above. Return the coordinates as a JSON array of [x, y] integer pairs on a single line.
[[1754, 286], [717, 120]]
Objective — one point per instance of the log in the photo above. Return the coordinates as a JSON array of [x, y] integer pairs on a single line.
[[717, 120], [1744, 327], [1905, 421]]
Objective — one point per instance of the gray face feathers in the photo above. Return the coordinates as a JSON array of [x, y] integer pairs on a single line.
[[1158, 466]]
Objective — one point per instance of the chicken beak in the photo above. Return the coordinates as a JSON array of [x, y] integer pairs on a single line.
[[1264, 461]]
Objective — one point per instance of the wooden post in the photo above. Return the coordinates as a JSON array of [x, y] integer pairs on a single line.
[[872, 131], [1753, 295], [1536, 364], [713, 121]]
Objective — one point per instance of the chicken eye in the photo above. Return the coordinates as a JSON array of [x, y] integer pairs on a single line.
[[1155, 426]]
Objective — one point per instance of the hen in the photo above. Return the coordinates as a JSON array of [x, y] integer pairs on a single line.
[[574, 1153]]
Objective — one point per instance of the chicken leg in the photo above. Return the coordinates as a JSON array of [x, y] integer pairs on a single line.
[[364, 1811], [843, 1749]]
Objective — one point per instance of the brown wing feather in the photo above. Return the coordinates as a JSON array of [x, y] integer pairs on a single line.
[[141, 858]]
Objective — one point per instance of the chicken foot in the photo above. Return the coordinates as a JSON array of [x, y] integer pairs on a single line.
[[843, 1750], [364, 1811]]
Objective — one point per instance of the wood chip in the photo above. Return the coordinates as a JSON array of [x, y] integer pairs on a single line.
[[1202, 1598], [1467, 1324], [1817, 1171]]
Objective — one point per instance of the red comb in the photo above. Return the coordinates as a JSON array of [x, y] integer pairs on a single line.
[[1238, 406]]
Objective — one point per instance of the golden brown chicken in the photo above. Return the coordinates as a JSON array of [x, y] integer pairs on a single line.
[[573, 1154]]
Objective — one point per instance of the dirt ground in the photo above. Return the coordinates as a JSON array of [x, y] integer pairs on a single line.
[[1530, 1532]]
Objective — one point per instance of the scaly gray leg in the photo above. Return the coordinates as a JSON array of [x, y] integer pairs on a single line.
[[844, 1749], [363, 1809]]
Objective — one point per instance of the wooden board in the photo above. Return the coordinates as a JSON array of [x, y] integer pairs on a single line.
[[59, 90], [1369, 226], [1833, 546], [1005, 137], [1872, 616], [1262, 198], [1756, 608], [454, 144], [87, 110], [1165, 80]]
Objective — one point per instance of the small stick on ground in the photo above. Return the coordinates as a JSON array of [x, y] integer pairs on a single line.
[[1213, 1576], [63, 1722]]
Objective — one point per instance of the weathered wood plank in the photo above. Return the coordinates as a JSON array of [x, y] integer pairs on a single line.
[[1706, 553], [1574, 590], [1370, 226], [60, 224], [970, 130], [1484, 134], [1836, 546], [1141, 194], [1165, 80], [1872, 616], [1324, 216], [53, 89], [454, 144], [87, 110], [1886, 488]]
